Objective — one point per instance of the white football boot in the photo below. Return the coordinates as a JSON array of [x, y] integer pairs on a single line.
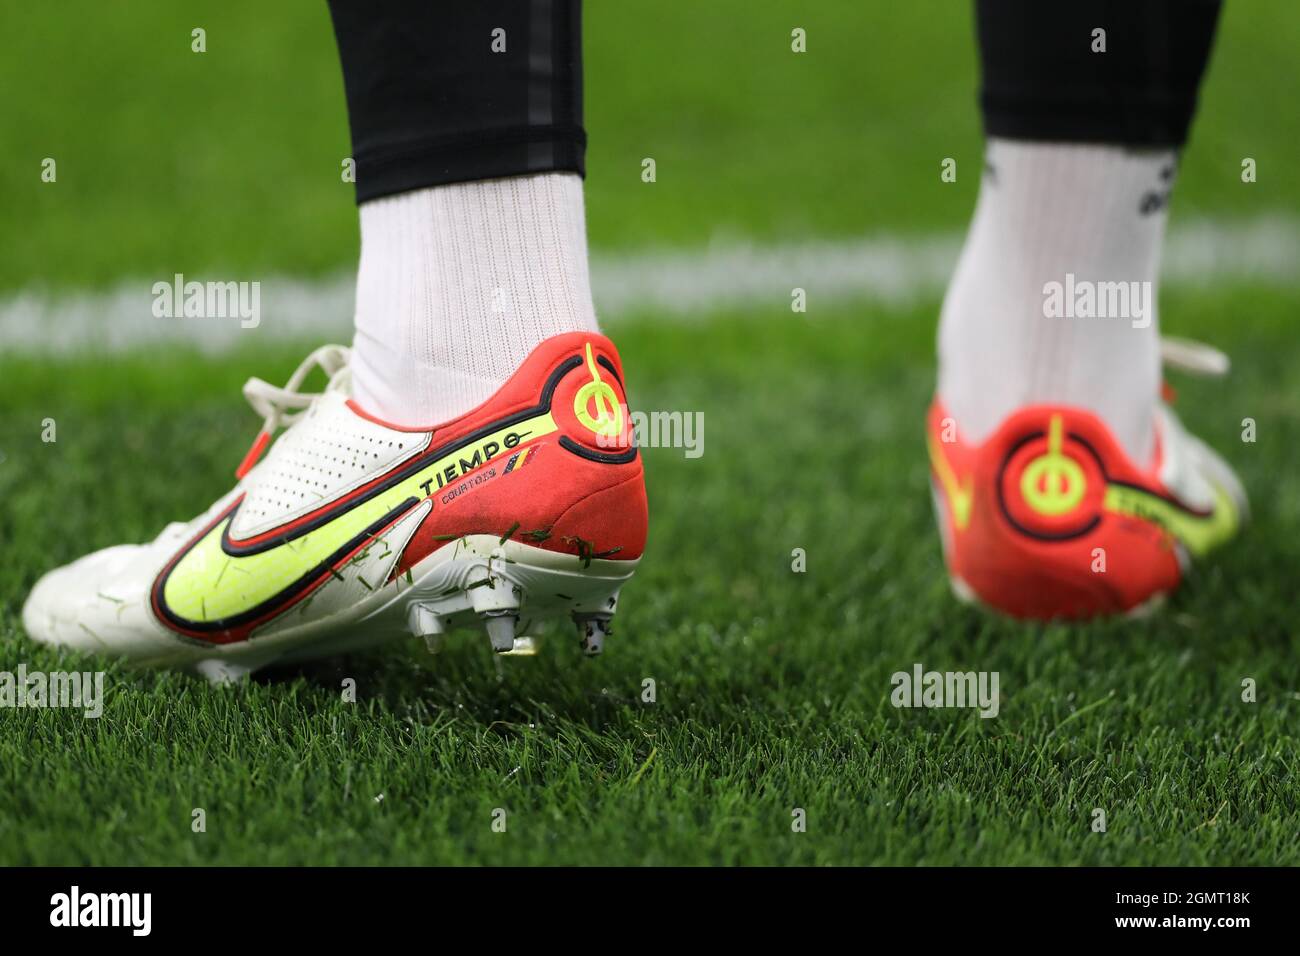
[[350, 530]]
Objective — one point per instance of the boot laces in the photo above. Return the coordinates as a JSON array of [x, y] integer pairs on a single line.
[[282, 406], [1194, 357]]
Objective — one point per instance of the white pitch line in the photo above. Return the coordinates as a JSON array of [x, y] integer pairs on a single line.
[[677, 284]]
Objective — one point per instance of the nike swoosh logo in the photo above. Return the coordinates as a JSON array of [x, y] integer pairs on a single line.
[[1198, 532], [961, 495], [218, 589]]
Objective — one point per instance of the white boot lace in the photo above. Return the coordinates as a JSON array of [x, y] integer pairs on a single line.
[[1187, 355], [284, 406]]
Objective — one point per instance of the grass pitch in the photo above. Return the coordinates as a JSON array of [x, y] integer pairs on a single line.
[[771, 686]]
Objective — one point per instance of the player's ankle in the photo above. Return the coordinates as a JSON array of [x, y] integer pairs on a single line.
[[458, 283], [1064, 235]]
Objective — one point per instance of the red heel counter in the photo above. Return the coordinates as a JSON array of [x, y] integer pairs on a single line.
[[1057, 562], [615, 520], [591, 408]]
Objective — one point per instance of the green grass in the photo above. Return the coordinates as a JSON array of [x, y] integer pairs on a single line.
[[772, 686]]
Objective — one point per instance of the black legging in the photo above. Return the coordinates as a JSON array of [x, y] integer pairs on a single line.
[[431, 102], [1042, 80]]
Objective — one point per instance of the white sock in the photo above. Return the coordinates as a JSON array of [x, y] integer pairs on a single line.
[[1045, 210], [458, 283]]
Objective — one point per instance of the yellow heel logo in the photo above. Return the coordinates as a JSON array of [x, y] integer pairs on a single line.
[[608, 419], [1053, 484]]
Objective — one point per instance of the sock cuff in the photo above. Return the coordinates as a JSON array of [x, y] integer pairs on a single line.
[[439, 161]]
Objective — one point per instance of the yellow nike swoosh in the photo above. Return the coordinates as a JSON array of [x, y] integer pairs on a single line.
[[961, 495], [215, 584], [1199, 533]]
